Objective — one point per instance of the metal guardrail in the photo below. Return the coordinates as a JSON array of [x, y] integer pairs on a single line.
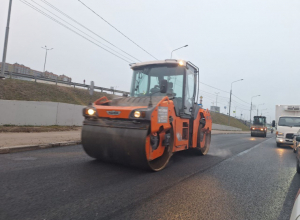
[[12, 74]]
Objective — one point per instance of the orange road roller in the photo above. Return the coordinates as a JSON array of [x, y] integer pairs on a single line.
[[160, 117]]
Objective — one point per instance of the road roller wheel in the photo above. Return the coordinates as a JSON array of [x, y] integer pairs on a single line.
[[202, 150], [161, 162], [205, 149]]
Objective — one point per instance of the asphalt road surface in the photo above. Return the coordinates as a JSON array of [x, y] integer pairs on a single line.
[[240, 178]]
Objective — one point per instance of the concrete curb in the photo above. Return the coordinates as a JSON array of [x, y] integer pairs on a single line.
[[232, 133], [14, 149]]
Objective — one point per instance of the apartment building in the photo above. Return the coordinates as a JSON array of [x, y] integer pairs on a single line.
[[20, 68], [64, 78]]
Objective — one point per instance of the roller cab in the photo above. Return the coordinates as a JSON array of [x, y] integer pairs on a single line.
[[159, 118]]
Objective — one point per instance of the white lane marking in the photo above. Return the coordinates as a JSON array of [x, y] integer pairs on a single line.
[[248, 150]]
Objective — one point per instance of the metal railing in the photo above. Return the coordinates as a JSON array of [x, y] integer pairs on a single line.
[[12, 75]]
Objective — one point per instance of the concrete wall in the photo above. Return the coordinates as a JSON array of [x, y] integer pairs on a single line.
[[52, 113], [39, 113], [224, 128]]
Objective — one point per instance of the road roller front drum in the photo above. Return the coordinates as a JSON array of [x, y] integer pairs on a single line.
[[123, 145]]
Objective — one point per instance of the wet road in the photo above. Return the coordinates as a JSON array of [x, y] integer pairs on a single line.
[[240, 178]]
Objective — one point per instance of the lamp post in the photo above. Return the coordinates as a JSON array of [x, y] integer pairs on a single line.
[[257, 107], [178, 49], [230, 99], [45, 48], [5, 41], [251, 107]]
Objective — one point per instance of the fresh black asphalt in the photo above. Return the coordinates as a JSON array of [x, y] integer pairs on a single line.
[[240, 178]]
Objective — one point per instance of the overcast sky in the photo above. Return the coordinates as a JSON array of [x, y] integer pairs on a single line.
[[257, 40]]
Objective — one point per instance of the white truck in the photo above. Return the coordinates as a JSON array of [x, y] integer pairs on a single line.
[[287, 123]]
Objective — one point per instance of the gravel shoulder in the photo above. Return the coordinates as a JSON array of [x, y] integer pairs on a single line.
[[12, 139], [28, 129]]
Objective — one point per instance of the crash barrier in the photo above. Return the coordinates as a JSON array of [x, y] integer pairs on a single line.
[[56, 81], [40, 113], [224, 128]]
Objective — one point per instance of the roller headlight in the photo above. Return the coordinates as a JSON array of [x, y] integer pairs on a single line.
[[137, 114], [253, 128], [91, 112], [261, 129]]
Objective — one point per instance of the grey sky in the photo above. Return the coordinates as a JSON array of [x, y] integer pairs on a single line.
[[257, 40]]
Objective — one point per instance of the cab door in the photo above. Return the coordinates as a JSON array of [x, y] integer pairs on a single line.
[[189, 90]]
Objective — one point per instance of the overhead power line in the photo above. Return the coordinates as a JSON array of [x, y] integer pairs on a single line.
[[241, 99], [116, 28], [214, 87], [224, 91], [79, 30], [227, 99], [45, 14], [61, 12]]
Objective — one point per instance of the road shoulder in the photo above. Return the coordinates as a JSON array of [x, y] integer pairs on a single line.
[[16, 142]]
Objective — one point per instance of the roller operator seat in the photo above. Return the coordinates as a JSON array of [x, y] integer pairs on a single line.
[[176, 100]]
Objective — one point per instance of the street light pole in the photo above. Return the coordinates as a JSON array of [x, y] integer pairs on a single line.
[[257, 107], [178, 49], [230, 99], [5, 41], [251, 107], [45, 48]]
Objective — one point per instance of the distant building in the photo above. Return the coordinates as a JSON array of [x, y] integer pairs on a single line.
[[20, 68], [64, 78], [215, 109], [8, 67], [49, 75]]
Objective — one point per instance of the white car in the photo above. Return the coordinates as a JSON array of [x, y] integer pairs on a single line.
[[296, 208]]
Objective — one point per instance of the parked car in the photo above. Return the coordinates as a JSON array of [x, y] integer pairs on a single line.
[[298, 155], [296, 143]]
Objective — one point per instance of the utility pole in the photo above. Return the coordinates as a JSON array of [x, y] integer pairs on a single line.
[[257, 107], [5, 41], [45, 48], [217, 93], [251, 107], [262, 111], [230, 99]]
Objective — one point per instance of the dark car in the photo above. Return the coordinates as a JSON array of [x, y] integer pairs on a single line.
[[296, 143], [298, 155]]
